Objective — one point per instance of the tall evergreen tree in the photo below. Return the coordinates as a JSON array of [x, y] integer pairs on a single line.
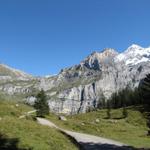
[[145, 89], [124, 112], [108, 110], [125, 97], [101, 104], [145, 94], [41, 104]]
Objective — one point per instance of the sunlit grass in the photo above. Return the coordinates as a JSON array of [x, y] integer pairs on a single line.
[[131, 130], [27, 131], [13, 108]]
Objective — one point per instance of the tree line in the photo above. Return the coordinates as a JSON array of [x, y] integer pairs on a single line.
[[120, 99], [128, 97]]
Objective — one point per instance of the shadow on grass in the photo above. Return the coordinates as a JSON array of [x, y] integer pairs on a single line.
[[145, 110], [97, 146], [142, 108], [10, 143], [78, 145], [115, 118]]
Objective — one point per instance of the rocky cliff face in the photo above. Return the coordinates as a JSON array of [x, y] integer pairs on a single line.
[[78, 88], [13, 81]]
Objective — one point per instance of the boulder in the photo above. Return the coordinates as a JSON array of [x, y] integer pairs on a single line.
[[17, 105], [82, 124], [113, 121], [62, 118], [97, 120]]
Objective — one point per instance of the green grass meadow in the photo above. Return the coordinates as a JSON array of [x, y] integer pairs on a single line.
[[27, 134], [131, 130]]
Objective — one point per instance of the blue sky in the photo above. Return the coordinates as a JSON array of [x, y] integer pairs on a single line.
[[43, 36]]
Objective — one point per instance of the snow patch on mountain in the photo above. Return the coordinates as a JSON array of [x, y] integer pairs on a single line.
[[135, 54], [49, 76]]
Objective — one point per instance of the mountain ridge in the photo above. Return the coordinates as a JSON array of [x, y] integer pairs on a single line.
[[82, 86]]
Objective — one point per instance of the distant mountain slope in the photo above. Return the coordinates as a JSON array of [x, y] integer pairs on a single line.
[[13, 81], [7, 72]]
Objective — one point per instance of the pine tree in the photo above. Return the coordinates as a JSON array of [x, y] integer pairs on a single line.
[[145, 89], [101, 104], [124, 112], [41, 104], [136, 99], [114, 100], [108, 110]]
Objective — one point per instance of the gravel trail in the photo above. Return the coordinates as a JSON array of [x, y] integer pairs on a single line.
[[87, 141]]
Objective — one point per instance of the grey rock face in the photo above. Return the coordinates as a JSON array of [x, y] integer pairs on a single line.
[[110, 76], [66, 106], [62, 118], [79, 88]]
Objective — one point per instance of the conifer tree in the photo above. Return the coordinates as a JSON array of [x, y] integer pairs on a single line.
[[41, 104], [108, 110], [124, 112], [145, 94], [145, 89]]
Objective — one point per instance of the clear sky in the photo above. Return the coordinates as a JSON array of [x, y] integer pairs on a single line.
[[42, 36]]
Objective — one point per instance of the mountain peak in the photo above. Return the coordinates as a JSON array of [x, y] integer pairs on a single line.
[[109, 52], [134, 54], [134, 47], [95, 60]]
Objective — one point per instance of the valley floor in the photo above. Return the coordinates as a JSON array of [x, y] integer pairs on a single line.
[[131, 130], [87, 141], [26, 133], [82, 131]]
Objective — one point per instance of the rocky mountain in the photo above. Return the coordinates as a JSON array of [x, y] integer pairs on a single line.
[[134, 55], [8, 73], [82, 86], [13, 81]]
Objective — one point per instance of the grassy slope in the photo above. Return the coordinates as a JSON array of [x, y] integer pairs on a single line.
[[9, 108], [27, 132], [131, 130]]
